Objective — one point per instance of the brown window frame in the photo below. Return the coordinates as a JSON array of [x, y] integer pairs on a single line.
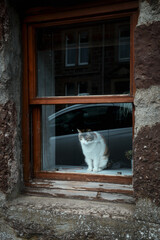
[[50, 17]]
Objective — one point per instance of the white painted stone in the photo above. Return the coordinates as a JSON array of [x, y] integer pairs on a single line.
[[149, 12], [147, 107]]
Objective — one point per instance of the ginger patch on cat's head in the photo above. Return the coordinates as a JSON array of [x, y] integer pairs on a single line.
[[86, 134], [84, 130]]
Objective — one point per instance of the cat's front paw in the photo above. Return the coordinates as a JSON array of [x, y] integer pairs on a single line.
[[97, 169], [89, 169]]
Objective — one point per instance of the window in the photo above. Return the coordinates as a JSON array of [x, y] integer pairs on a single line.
[[108, 71], [70, 50], [112, 121], [79, 75], [76, 48], [124, 44], [83, 48]]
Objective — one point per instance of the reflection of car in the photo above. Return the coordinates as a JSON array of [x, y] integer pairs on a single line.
[[113, 121]]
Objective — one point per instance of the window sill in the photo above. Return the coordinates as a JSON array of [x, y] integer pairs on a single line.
[[96, 191], [77, 206], [79, 169], [32, 217]]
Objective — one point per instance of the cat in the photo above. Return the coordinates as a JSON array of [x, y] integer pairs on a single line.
[[94, 149]]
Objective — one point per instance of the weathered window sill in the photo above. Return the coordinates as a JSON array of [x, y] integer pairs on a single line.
[[97, 191]]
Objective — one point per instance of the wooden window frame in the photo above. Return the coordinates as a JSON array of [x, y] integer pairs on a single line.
[[50, 17]]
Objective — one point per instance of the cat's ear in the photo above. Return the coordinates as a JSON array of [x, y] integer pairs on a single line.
[[79, 130]]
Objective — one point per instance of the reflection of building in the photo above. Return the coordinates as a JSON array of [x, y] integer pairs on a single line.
[[90, 60]]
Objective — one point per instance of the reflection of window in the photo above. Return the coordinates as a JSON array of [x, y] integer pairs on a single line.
[[83, 48], [70, 50], [124, 44], [76, 49], [70, 89], [82, 89]]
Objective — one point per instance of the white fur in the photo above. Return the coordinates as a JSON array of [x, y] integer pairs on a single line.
[[94, 152]]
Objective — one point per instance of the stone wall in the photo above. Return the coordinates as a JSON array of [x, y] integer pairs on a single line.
[[146, 180], [10, 103]]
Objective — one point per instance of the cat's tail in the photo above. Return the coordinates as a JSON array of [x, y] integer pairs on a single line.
[[106, 151], [104, 161]]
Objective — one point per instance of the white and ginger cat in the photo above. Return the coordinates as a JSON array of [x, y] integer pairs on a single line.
[[94, 149]]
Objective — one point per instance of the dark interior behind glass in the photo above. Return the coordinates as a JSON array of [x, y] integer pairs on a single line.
[[60, 135], [80, 60], [84, 59]]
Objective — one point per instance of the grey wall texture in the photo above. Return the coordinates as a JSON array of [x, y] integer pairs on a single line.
[[10, 100], [23, 217], [146, 180]]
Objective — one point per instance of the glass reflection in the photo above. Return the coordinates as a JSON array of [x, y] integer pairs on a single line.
[[88, 59], [95, 132]]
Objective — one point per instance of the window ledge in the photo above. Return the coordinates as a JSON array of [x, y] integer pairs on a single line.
[[73, 206], [58, 218], [97, 191]]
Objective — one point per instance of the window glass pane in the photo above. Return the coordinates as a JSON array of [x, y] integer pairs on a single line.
[[83, 48], [83, 55], [124, 44], [45, 64], [99, 133], [70, 49], [94, 55]]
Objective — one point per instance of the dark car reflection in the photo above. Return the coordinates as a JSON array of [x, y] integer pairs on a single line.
[[113, 121]]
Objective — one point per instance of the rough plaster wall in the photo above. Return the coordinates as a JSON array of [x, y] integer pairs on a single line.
[[10, 87], [146, 178]]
